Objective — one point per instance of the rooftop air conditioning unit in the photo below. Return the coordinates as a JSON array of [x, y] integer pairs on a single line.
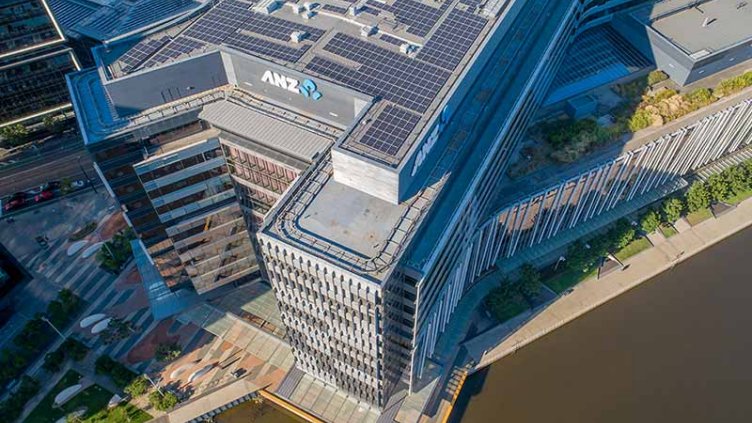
[[267, 6], [368, 30], [298, 36], [355, 9]]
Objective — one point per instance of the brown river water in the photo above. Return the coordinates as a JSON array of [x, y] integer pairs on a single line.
[[677, 348]]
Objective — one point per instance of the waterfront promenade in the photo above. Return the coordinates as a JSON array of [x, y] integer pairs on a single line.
[[508, 337]]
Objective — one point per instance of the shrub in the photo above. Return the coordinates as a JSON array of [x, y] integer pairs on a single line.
[[83, 232], [700, 97], [672, 209], [650, 221], [732, 85], [137, 387], [163, 402], [656, 76], [167, 352], [14, 135], [641, 119], [698, 197]]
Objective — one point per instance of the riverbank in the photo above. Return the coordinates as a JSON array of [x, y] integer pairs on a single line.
[[512, 335]]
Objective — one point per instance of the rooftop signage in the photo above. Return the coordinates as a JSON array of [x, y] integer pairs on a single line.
[[428, 145], [307, 88]]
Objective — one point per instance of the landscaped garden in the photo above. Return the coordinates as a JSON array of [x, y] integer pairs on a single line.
[[87, 406]]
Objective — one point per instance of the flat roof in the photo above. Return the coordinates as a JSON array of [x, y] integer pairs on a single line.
[[472, 134], [408, 54], [26, 25], [727, 23], [266, 129]]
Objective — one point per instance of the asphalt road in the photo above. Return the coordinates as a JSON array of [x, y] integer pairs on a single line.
[[55, 159]]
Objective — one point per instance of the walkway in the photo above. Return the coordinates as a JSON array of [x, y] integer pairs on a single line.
[[589, 294]]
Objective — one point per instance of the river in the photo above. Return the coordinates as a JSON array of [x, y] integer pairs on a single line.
[[677, 348]]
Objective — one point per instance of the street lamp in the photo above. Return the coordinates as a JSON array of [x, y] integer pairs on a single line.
[[45, 319], [93, 185]]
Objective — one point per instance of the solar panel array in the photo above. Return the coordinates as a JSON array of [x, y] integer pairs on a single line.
[[390, 130], [452, 39], [335, 9], [140, 52], [177, 48], [420, 18], [256, 46], [391, 40], [382, 72], [277, 28], [220, 22]]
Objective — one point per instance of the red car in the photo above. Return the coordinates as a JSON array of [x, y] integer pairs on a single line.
[[15, 201], [44, 196]]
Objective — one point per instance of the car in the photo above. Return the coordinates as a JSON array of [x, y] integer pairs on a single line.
[[15, 201], [44, 196]]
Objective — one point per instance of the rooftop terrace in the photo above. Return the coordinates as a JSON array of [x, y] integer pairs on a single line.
[[701, 28]]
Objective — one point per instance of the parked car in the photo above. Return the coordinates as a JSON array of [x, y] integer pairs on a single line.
[[44, 196], [15, 201]]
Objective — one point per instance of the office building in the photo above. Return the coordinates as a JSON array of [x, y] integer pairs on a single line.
[[356, 147], [33, 62]]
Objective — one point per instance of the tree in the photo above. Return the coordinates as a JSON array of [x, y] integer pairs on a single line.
[[698, 197], [137, 387], [53, 361], [672, 209], [718, 188], [621, 234], [52, 124], [14, 135], [736, 179], [167, 352], [529, 284], [649, 221], [74, 349], [163, 402]]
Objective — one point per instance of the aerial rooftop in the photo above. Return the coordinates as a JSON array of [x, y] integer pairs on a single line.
[[700, 28], [110, 19], [405, 53]]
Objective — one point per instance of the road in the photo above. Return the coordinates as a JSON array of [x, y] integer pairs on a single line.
[[55, 159]]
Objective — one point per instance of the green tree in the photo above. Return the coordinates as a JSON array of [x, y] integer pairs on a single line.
[[74, 349], [672, 209], [163, 402], [649, 221], [621, 234], [167, 352], [137, 387], [53, 361], [580, 258], [698, 197], [529, 284], [52, 124], [718, 188], [736, 179], [14, 135]]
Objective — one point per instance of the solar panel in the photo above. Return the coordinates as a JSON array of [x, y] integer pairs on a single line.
[[390, 130], [257, 46], [419, 17], [391, 40], [177, 48], [220, 22], [335, 9], [383, 73], [452, 39], [277, 28], [140, 52]]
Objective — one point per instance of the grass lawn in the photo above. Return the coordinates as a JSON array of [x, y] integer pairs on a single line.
[[567, 279], [634, 247], [738, 198], [668, 231], [507, 308], [699, 216], [94, 399]]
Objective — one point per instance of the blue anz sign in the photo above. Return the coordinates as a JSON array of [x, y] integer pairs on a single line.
[[428, 145], [306, 88]]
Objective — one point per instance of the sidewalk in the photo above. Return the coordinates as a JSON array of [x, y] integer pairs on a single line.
[[591, 293]]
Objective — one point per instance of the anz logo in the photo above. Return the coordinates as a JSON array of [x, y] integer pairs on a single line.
[[306, 88], [427, 146]]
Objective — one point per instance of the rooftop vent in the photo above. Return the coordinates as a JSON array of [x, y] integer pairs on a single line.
[[308, 14], [297, 8], [298, 36], [310, 5], [369, 30], [267, 6], [355, 9], [407, 48]]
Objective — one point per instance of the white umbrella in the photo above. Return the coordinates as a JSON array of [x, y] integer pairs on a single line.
[[90, 320], [198, 373], [67, 394], [101, 326], [76, 247], [92, 249]]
